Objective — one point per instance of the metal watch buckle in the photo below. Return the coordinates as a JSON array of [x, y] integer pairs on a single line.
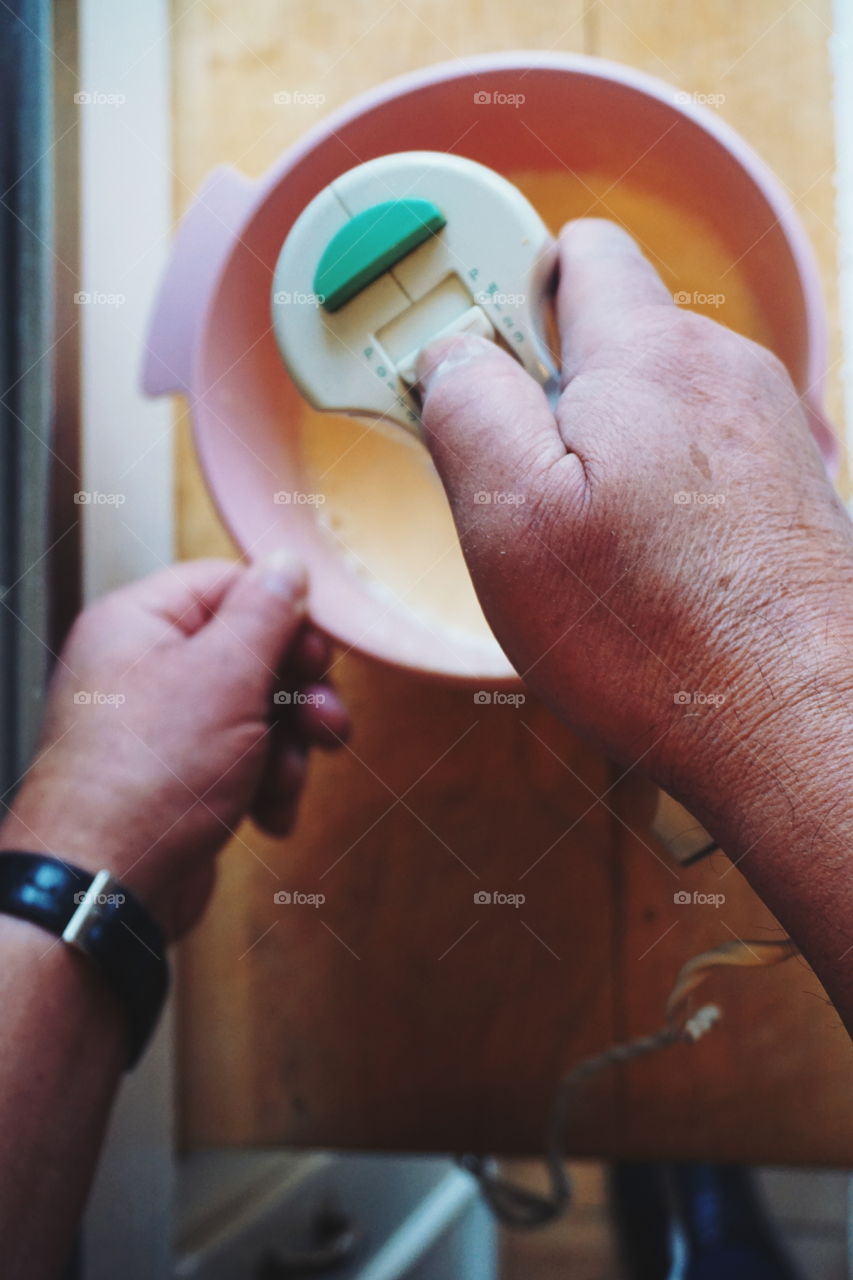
[[95, 905]]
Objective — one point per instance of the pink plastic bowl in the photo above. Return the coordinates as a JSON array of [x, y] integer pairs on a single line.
[[211, 335]]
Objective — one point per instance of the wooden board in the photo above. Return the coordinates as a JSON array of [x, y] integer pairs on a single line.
[[401, 1014]]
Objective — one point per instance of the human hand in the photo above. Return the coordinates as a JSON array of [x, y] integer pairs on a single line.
[[163, 729], [663, 558]]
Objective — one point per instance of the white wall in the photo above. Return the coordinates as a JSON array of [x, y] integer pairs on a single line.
[[126, 194]]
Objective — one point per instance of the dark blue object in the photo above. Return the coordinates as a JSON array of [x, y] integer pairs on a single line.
[[694, 1222]]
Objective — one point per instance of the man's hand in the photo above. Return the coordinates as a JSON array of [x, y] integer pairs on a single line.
[[178, 705], [652, 550]]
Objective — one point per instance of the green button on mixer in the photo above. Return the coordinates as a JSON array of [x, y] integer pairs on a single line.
[[369, 245]]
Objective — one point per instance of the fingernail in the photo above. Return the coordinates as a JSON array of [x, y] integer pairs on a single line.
[[465, 348], [283, 575]]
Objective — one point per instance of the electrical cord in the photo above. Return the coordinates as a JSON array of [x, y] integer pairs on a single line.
[[517, 1207]]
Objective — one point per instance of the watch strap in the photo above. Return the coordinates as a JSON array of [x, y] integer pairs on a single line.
[[100, 917]]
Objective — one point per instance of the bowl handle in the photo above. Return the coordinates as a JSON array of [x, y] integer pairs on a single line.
[[204, 239]]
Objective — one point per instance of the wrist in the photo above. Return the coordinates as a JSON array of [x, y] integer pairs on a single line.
[[777, 694], [85, 824], [97, 918], [774, 752], [70, 994], [56, 820], [55, 813]]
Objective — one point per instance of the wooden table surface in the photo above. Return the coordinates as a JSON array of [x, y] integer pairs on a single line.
[[399, 1015]]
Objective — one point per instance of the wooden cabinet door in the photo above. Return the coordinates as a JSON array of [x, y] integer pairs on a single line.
[[401, 1012]]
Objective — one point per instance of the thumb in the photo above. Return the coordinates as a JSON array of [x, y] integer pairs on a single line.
[[261, 612], [487, 422]]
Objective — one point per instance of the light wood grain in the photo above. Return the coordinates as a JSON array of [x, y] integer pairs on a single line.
[[400, 1015]]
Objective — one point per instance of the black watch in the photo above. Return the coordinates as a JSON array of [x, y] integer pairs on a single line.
[[99, 916]]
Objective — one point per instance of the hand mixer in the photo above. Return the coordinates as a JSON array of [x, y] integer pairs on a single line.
[[395, 253]]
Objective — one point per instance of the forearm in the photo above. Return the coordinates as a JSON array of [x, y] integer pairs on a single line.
[[774, 787], [61, 1056]]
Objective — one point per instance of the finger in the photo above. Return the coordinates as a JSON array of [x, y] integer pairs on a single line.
[[322, 717], [310, 656], [185, 595], [276, 802], [487, 422], [260, 615], [604, 277]]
